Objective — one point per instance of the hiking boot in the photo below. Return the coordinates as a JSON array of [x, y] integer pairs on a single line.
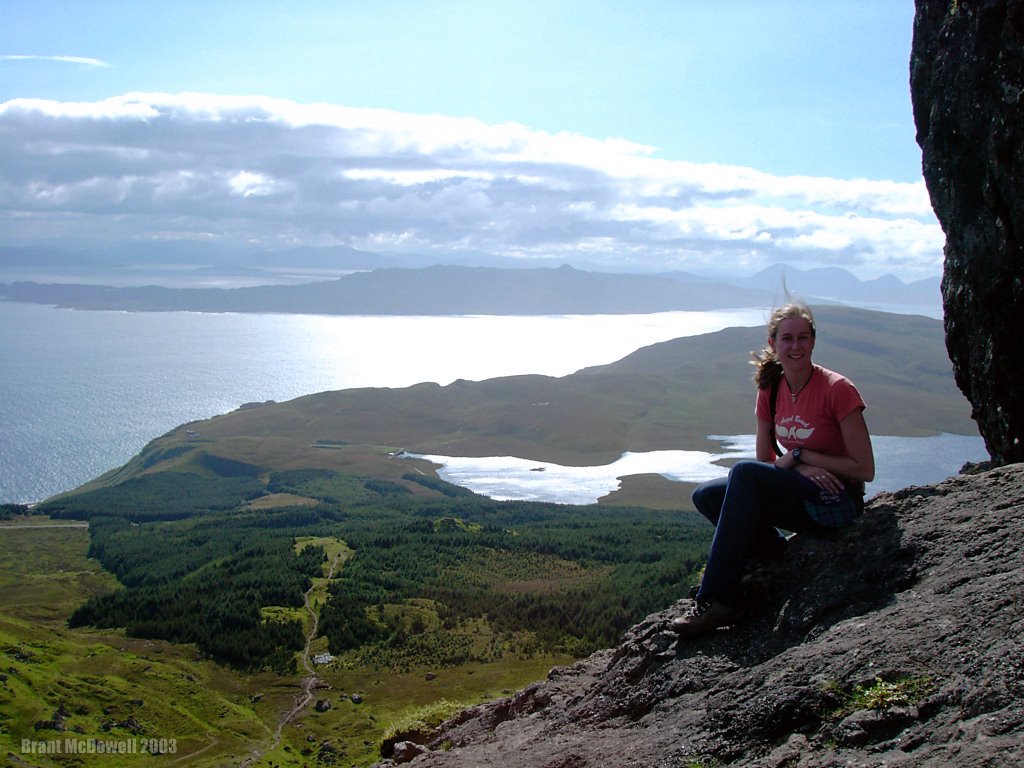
[[704, 616]]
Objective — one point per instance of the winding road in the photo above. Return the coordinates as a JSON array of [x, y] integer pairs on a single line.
[[309, 682]]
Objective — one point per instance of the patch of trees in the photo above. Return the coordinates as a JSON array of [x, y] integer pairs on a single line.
[[228, 467], [166, 455], [643, 561], [195, 565], [324, 485], [204, 581], [436, 484], [10, 511], [344, 620], [158, 496], [385, 487], [296, 480]]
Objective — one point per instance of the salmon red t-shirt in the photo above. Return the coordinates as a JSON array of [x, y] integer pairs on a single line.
[[812, 420]]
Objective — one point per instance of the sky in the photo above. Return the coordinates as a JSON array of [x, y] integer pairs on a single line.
[[639, 135]]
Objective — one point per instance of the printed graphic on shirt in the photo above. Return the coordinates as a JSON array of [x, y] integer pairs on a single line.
[[794, 428]]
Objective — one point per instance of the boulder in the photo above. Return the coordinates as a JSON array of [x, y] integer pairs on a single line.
[[405, 751]]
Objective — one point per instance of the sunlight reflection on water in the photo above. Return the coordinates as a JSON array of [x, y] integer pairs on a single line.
[[901, 461], [81, 392]]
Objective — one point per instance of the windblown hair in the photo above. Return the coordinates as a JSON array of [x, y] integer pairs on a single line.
[[768, 369]]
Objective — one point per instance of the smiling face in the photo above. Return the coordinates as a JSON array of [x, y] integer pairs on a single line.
[[793, 343]]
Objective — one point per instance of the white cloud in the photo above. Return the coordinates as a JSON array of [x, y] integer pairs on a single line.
[[249, 184], [262, 170], [82, 60]]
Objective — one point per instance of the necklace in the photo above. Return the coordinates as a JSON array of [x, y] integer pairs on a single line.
[[794, 392]]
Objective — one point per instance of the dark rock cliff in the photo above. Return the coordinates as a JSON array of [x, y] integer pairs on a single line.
[[967, 86], [899, 641]]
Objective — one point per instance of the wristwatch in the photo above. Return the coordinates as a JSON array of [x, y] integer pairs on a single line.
[[796, 454]]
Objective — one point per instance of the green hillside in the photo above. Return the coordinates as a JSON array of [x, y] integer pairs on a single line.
[[154, 696], [665, 396]]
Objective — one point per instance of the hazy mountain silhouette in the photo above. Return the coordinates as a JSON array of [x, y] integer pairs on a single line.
[[460, 290]]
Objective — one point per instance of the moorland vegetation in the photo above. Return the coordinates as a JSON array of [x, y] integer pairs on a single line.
[[197, 564]]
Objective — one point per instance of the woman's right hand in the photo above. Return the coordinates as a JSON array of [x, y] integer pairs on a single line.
[[822, 478]]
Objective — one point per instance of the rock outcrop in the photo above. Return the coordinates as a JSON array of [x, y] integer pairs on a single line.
[[899, 641], [967, 85]]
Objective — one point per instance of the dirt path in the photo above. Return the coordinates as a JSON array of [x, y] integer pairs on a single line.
[[309, 682]]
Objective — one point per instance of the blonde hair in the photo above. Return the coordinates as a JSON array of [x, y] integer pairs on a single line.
[[768, 369]]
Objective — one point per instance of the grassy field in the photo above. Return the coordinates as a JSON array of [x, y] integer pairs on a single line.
[[134, 694], [109, 686], [386, 703]]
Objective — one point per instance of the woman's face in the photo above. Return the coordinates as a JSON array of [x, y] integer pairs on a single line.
[[793, 343]]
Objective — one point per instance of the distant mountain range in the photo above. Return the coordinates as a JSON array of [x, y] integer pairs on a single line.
[[462, 290], [836, 284]]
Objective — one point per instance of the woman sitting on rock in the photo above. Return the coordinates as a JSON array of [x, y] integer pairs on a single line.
[[818, 417]]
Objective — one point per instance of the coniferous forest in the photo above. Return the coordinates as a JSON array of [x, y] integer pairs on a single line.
[[428, 576]]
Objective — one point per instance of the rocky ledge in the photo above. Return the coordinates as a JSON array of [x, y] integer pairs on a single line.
[[898, 642]]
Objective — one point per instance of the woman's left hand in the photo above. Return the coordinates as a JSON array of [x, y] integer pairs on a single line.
[[820, 477]]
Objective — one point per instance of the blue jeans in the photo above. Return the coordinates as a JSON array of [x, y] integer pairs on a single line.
[[745, 509]]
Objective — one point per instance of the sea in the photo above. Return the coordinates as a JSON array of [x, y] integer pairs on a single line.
[[81, 392]]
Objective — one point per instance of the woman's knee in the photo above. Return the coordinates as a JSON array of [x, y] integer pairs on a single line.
[[707, 498], [747, 470], [700, 496]]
